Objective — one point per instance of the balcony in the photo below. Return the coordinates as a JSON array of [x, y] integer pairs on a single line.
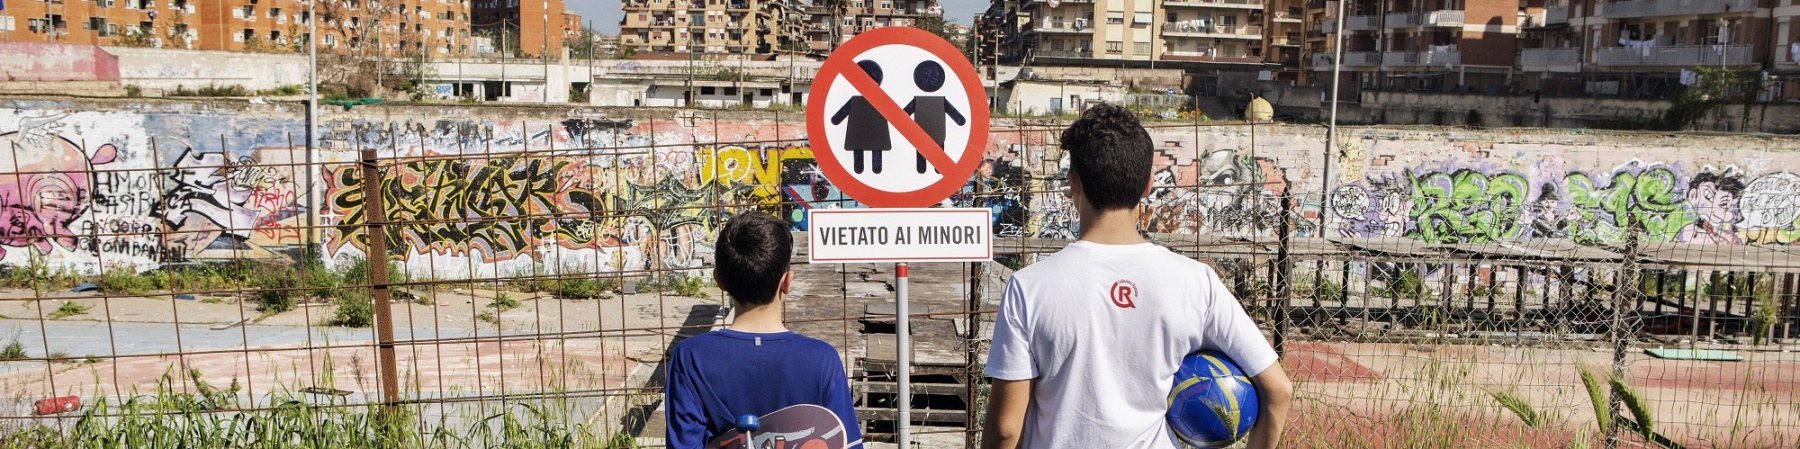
[[1208, 56], [1188, 29], [1068, 54], [1654, 8], [1363, 23], [1072, 27], [1440, 58], [1549, 59], [1556, 15], [1285, 41], [1362, 59], [1399, 58], [1678, 55], [1400, 20], [1239, 4], [1450, 19]]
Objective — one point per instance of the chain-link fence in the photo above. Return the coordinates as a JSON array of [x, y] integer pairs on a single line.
[[533, 285]]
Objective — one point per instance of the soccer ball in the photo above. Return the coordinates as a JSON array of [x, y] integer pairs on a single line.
[[1213, 403]]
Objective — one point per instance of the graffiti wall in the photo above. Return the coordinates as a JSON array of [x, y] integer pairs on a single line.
[[91, 190], [495, 191]]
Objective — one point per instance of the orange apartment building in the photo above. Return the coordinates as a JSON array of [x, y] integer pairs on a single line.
[[395, 27], [541, 26]]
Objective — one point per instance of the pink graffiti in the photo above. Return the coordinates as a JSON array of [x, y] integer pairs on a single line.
[[46, 183]]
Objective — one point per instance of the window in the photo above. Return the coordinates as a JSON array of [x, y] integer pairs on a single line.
[[1171, 18], [1140, 48], [731, 91], [1115, 47], [1115, 17], [274, 12], [1228, 21], [707, 90], [7, 23], [104, 3], [35, 25], [239, 37], [887, 5], [1056, 45]]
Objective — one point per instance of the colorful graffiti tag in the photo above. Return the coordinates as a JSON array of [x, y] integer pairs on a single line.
[[1666, 202], [119, 203]]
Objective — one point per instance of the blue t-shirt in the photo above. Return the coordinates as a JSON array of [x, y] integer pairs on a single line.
[[714, 377]]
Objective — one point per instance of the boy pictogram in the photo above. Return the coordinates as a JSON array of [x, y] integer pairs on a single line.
[[868, 128], [929, 110]]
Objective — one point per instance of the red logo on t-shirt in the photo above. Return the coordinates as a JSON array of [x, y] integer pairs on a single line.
[[1123, 294]]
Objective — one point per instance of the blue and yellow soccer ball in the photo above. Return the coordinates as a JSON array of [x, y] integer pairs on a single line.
[[1213, 403]]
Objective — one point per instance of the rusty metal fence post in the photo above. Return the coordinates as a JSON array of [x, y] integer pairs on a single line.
[[375, 228]]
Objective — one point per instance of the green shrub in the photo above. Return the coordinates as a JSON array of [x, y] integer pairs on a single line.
[[68, 309], [581, 288], [120, 280], [14, 350], [503, 302], [275, 290], [355, 309]]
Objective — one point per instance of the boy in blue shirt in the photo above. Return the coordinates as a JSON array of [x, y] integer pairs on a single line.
[[755, 365]]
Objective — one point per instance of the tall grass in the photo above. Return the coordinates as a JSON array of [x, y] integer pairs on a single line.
[[188, 412]]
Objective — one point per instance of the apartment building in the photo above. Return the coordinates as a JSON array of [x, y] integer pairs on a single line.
[[823, 34], [1632, 42], [1421, 44], [432, 26], [540, 26], [1198, 34], [711, 29]]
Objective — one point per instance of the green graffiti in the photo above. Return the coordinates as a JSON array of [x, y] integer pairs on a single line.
[[1467, 206], [1604, 214]]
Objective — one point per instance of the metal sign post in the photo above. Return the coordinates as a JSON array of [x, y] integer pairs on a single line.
[[903, 350]]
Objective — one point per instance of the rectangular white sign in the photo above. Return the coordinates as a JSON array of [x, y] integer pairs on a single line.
[[900, 235]]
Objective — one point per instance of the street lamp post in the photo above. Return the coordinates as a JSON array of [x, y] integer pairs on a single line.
[[312, 115], [1331, 132]]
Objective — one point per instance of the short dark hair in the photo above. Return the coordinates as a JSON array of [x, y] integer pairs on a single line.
[[1727, 184], [752, 254], [1111, 152]]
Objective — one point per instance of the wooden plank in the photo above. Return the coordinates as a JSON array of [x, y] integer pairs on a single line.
[[919, 416], [917, 388]]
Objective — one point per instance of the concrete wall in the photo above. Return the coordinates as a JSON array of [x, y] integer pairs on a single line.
[[166, 69], [233, 194], [1560, 112], [1038, 98], [37, 61]]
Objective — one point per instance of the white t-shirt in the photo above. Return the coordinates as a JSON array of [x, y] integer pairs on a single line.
[[1102, 329]]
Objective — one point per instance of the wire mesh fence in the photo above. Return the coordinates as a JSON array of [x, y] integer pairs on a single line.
[[529, 292]]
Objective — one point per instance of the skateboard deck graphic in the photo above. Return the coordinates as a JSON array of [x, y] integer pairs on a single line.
[[803, 426]]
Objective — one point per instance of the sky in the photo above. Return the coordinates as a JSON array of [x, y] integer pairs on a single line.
[[604, 14]]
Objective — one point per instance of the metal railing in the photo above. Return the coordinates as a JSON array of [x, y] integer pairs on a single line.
[[1532, 59], [1240, 32], [1446, 18], [1362, 23], [1213, 3], [1677, 55], [1401, 20], [1362, 59], [1653, 8]]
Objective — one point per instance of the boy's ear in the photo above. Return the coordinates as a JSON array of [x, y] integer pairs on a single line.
[[787, 279], [1149, 185]]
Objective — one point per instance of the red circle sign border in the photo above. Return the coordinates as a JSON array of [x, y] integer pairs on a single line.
[[843, 59]]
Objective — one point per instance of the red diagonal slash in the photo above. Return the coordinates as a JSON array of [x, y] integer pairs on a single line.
[[897, 117]]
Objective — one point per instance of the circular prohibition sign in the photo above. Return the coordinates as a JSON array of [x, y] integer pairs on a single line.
[[842, 65]]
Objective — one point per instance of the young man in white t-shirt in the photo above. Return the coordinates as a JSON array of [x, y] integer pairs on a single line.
[[1087, 341]]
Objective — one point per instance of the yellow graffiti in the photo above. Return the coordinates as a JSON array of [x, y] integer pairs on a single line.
[[759, 169]]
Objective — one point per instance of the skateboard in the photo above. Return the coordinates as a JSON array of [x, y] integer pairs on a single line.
[[803, 426]]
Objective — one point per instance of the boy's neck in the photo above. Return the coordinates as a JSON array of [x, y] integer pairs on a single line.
[[1113, 227], [763, 319]]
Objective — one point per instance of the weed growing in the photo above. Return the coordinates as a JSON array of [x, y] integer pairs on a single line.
[[68, 309]]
